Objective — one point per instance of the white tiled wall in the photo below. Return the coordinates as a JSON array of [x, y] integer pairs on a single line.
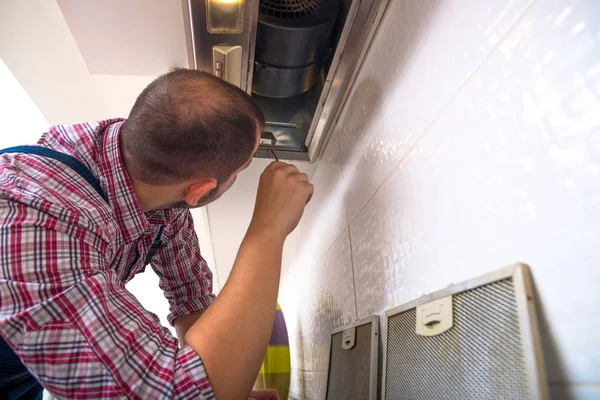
[[424, 52], [470, 141], [229, 217]]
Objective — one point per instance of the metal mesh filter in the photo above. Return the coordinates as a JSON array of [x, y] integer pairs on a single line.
[[480, 357], [289, 8], [350, 370]]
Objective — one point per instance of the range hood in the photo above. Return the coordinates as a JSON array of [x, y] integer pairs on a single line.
[[296, 58]]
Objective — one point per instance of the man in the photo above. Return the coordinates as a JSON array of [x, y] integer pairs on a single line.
[[81, 216]]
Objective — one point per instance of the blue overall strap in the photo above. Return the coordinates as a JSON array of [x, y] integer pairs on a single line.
[[155, 246], [156, 243], [66, 159]]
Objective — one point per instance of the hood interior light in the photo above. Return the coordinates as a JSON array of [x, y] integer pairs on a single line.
[[224, 16]]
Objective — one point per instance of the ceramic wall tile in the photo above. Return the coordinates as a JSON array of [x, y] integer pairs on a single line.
[[296, 384], [325, 216], [323, 297], [509, 172], [422, 54], [230, 215], [308, 385]]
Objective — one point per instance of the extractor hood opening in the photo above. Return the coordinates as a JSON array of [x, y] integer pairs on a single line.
[[295, 43], [296, 58]]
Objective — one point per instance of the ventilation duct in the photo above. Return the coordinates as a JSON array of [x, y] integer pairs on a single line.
[[292, 41]]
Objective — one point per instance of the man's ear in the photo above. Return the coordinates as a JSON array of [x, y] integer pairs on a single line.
[[196, 190]]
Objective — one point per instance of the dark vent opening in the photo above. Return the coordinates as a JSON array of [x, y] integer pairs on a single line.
[[289, 8], [295, 44]]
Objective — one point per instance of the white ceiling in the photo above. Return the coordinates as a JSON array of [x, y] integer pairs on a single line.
[[127, 37], [38, 48]]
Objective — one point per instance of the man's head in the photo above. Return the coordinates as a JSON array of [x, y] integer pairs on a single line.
[[191, 133]]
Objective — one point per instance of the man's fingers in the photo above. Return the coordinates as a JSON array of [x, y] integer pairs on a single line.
[[302, 177], [280, 165], [290, 169], [281, 197], [310, 189], [275, 164]]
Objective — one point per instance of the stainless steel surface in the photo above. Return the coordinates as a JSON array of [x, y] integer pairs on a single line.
[[314, 112], [353, 369], [187, 27], [224, 16], [203, 41], [280, 124], [361, 23], [227, 63], [487, 354], [319, 109], [267, 138], [289, 119]]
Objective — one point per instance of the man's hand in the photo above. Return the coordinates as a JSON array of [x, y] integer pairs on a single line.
[[283, 192], [233, 333], [266, 394]]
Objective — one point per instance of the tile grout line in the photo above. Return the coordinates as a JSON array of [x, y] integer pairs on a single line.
[[432, 123], [334, 132], [421, 136], [353, 276], [346, 225], [410, 151]]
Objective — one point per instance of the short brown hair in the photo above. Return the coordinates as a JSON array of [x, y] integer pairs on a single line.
[[187, 124]]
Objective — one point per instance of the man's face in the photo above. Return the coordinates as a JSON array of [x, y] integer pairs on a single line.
[[221, 188]]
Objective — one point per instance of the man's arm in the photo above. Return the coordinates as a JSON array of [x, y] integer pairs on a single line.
[[183, 324], [232, 335], [184, 275]]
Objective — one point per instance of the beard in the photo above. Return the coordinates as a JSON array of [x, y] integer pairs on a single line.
[[209, 197]]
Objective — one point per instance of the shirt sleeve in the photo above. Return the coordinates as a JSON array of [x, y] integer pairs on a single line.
[[184, 275], [75, 326]]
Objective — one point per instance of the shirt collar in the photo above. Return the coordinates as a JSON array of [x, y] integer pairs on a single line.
[[117, 185]]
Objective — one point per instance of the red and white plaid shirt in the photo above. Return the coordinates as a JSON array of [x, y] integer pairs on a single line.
[[65, 256]]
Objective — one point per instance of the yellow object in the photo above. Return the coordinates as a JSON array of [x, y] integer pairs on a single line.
[[277, 360], [275, 372]]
